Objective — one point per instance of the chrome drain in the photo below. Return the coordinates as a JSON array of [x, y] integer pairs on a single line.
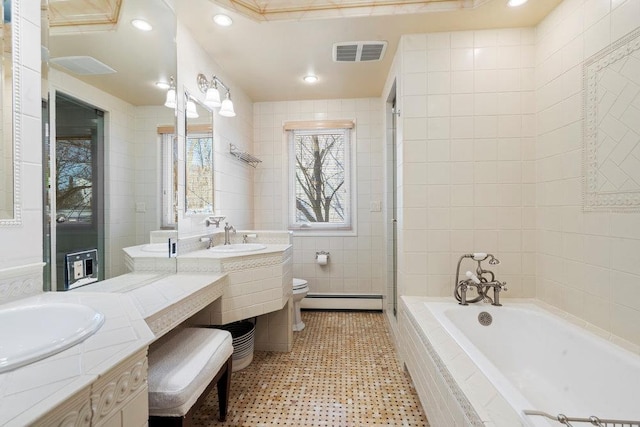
[[485, 318]]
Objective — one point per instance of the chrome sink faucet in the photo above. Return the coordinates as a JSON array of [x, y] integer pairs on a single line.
[[227, 229]]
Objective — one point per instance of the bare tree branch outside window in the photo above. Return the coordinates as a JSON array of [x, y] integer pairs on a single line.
[[320, 190], [74, 179], [199, 166]]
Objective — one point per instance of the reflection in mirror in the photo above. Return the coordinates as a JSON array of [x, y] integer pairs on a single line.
[[198, 157], [9, 209], [98, 57], [169, 172]]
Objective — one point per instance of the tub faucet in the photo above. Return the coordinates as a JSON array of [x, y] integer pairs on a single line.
[[227, 229], [483, 280]]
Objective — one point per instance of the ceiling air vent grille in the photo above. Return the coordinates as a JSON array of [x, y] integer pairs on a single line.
[[82, 65], [359, 51]]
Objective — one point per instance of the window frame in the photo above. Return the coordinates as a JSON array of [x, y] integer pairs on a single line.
[[349, 226], [168, 186]]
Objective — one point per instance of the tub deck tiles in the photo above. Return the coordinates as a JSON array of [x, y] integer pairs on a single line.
[[343, 371]]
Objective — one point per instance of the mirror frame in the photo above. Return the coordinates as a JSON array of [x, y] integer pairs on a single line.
[[185, 211], [16, 114]]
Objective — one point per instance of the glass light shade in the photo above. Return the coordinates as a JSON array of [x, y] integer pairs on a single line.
[[212, 98], [171, 98], [516, 3], [226, 109], [192, 112]]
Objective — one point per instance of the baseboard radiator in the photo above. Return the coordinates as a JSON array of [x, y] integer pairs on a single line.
[[342, 302]]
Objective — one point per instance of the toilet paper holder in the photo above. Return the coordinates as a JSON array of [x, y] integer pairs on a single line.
[[322, 253]]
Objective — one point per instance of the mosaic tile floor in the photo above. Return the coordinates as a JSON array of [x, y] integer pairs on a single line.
[[343, 371]]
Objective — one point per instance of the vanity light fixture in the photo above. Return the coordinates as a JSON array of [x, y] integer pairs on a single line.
[[310, 78], [171, 101], [223, 20], [226, 109], [516, 3], [212, 95], [192, 111], [141, 24], [163, 85]]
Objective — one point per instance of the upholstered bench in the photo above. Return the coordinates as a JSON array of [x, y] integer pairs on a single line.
[[183, 370]]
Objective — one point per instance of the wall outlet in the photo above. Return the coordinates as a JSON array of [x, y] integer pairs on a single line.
[[375, 206], [141, 207], [78, 270]]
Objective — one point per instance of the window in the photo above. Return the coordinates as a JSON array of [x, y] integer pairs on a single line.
[[169, 178], [320, 187], [199, 173]]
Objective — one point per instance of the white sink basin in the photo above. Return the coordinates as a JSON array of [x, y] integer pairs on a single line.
[[32, 332], [239, 247], [156, 247]]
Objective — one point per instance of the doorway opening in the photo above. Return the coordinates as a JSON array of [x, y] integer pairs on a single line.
[[74, 188]]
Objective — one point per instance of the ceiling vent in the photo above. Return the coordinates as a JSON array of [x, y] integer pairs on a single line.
[[359, 51], [83, 65]]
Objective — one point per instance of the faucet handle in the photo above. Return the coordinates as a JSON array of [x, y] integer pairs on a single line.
[[473, 277]]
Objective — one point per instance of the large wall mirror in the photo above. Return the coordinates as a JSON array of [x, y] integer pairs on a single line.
[[198, 157], [10, 209], [101, 53]]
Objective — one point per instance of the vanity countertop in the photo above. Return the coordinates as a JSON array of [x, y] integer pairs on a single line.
[[164, 300], [206, 253], [28, 392], [138, 309]]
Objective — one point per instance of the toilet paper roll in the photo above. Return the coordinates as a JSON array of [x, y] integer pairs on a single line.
[[322, 259]]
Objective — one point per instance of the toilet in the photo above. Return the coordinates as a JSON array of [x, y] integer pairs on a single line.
[[300, 290]]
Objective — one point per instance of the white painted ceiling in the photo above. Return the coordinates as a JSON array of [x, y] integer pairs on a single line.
[[267, 54], [269, 58]]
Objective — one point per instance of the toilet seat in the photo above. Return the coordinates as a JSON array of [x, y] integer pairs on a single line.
[[299, 284]]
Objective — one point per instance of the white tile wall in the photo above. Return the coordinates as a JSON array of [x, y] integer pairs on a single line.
[[356, 264], [148, 174], [585, 259], [468, 128]]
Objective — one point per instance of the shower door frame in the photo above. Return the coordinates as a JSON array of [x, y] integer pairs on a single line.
[[49, 199]]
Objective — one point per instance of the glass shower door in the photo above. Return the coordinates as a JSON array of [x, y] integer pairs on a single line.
[[79, 210]]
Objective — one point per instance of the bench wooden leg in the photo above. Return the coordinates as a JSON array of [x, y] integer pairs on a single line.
[[224, 387]]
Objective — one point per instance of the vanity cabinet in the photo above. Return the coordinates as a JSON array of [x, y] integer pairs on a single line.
[[119, 398]]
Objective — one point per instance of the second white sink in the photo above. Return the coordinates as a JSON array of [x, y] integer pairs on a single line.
[[33, 332], [239, 247]]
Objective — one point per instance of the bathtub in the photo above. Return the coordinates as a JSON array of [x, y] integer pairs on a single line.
[[526, 359]]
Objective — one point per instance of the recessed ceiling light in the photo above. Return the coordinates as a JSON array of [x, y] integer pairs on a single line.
[[163, 85], [310, 78], [142, 25], [516, 3], [223, 20]]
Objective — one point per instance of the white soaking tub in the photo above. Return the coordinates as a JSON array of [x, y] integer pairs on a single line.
[[526, 359]]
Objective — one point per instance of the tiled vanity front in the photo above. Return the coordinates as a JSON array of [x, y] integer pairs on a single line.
[[258, 282], [259, 285]]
